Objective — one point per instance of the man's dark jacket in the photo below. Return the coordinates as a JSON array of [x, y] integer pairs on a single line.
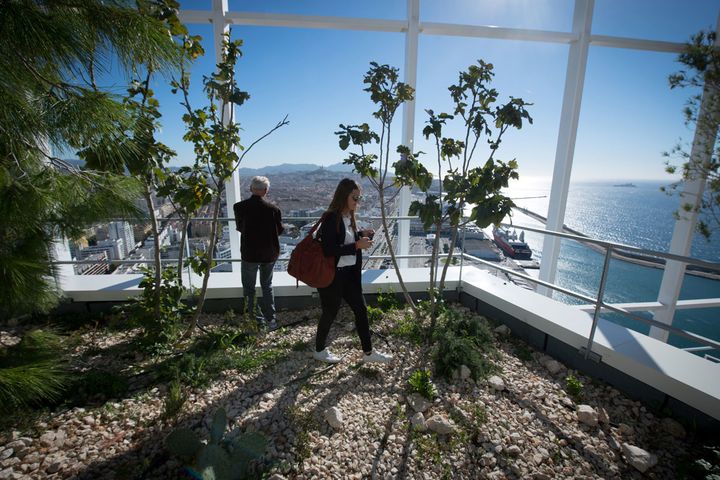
[[259, 223]]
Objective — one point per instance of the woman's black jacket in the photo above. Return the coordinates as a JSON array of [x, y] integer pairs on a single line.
[[333, 240]]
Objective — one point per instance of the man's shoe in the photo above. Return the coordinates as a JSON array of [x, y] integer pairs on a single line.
[[326, 356], [377, 357], [272, 325]]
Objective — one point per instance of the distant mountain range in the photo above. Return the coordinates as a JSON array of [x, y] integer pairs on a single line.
[[269, 170], [293, 168]]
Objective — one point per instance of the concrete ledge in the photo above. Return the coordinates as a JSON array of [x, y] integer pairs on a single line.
[[645, 368], [121, 287], [99, 293]]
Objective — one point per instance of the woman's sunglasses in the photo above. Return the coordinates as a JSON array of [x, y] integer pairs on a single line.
[[357, 198]]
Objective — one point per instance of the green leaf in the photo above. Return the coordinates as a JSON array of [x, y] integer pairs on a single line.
[[183, 442], [214, 458], [219, 424]]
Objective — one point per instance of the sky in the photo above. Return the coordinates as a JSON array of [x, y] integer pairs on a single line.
[[629, 115]]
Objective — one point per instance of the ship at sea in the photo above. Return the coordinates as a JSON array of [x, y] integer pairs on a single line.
[[632, 185], [513, 246]]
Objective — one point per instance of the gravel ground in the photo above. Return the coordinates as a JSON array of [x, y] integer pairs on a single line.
[[356, 421]]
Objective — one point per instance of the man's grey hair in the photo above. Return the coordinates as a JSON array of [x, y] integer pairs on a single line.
[[259, 183]]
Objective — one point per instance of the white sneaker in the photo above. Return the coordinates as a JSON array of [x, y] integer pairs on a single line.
[[377, 357], [326, 356]]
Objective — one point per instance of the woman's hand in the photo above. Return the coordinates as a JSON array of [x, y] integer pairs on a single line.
[[363, 243], [370, 233]]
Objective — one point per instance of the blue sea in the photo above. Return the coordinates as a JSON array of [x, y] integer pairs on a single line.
[[640, 216]]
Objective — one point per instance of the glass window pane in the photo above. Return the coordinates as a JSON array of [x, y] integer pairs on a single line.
[[385, 9], [665, 20], [532, 71], [629, 115], [555, 15]]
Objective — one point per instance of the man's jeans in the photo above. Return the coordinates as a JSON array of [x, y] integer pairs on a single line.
[[248, 272]]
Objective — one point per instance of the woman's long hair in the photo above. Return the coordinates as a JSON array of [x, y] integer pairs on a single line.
[[340, 198]]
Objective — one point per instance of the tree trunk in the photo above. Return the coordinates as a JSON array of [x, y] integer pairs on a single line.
[[434, 265], [181, 254], [208, 260], [156, 237], [388, 239], [453, 241]]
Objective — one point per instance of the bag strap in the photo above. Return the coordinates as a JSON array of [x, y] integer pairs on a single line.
[[317, 224]]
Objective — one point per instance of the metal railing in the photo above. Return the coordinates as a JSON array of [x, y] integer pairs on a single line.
[[600, 304], [611, 248]]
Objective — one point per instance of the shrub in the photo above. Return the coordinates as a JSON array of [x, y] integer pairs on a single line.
[[159, 331], [452, 351], [409, 328], [220, 339], [374, 315], [387, 300], [474, 328]]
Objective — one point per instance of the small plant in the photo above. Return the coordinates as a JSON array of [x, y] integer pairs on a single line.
[[221, 339], [190, 370], [159, 330], [574, 387], [421, 382], [229, 317], [409, 328], [480, 414], [176, 398], [523, 352], [470, 327], [303, 423], [374, 314], [221, 458], [387, 301]]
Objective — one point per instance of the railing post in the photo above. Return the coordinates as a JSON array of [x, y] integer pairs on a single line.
[[599, 302], [462, 256]]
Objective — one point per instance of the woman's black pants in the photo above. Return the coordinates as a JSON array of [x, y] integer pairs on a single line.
[[346, 285]]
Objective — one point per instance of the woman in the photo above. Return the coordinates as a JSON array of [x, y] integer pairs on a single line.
[[341, 239]]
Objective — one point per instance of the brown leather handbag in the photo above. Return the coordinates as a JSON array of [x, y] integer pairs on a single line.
[[309, 265]]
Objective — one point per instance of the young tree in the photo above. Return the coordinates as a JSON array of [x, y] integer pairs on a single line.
[[187, 190], [216, 139], [388, 94], [701, 61], [463, 185], [137, 152], [53, 52]]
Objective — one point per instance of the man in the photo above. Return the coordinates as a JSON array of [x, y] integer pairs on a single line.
[[259, 223]]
